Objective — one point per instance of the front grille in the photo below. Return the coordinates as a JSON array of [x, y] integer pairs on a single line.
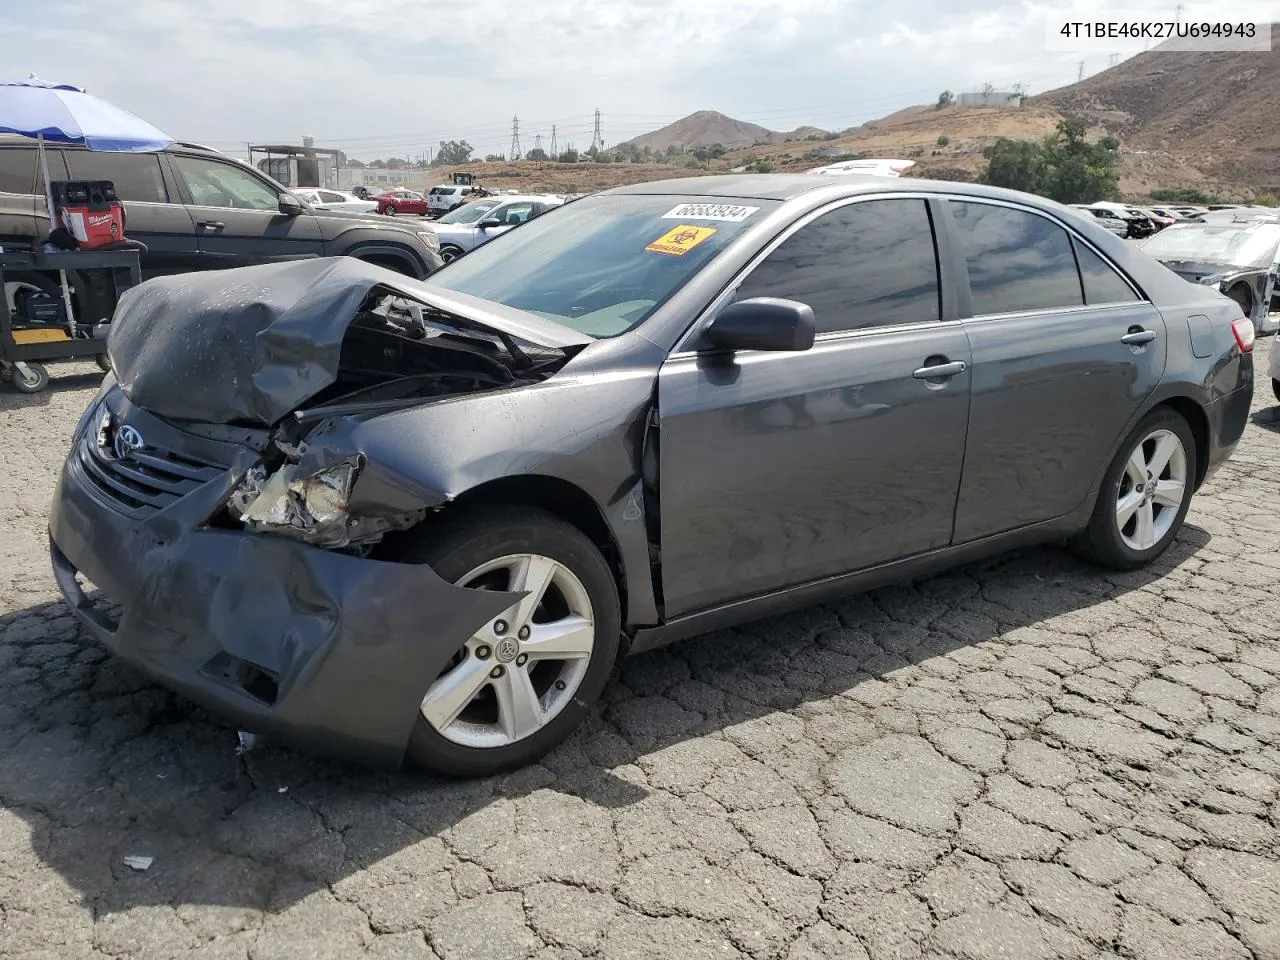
[[145, 482]]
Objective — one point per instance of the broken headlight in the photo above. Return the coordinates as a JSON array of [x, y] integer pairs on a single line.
[[310, 506]]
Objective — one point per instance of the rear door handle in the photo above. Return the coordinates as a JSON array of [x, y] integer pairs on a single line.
[[1138, 337], [940, 371], [211, 225]]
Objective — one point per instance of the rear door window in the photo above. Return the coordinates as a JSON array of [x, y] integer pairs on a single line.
[[1018, 261], [1101, 282], [136, 176], [18, 170]]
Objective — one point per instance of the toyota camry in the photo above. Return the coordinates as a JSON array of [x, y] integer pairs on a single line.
[[384, 518]]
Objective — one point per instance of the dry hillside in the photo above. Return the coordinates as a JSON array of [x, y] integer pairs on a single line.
[[1214, 112], [1183, 120]]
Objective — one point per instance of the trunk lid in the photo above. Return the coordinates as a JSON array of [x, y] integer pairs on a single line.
[[253, 344]]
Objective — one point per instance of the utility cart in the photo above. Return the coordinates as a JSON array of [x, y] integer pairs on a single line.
[[45, 327]]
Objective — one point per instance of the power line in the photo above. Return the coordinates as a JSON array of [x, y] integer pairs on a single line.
[[515, 138]]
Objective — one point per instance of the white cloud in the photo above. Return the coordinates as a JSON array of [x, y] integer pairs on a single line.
[[383, 77]]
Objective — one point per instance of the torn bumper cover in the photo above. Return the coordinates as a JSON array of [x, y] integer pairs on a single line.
[[323, 649]]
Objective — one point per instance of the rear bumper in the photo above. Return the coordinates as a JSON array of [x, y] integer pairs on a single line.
[[1227, 418], [325, 650]]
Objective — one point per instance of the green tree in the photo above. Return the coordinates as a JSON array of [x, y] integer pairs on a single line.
[[568, 156], [764, 166], [943, 140], [1063, 166], [945, 99], [491, 157], [537, 153], [452, 153]]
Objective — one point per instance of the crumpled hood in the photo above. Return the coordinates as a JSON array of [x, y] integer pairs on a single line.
[[253, 343]]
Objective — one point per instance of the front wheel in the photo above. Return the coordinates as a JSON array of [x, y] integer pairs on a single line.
[[524, 681], [33, 381], [390, 211], [1145, 494], [449, 253]]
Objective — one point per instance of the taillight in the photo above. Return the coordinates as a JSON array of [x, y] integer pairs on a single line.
[[1242, 327]]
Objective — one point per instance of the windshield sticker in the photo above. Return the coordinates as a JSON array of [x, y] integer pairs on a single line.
[[681, 240], [729, 212]]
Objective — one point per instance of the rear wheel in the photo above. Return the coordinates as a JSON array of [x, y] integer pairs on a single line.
[[390, 211], [524, 681], [1145, 494]]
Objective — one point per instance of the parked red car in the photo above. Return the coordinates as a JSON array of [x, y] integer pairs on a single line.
[[402, 201]]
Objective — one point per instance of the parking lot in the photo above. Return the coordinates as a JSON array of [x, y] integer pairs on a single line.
[[1026, 758]]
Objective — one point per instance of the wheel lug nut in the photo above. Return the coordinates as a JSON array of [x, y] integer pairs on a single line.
[[496, 672], [559, 684], [522, 660], [524, 633], [499, 627], [483, 652]]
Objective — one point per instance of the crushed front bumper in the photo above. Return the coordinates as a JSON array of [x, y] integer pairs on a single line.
[[325, 650]]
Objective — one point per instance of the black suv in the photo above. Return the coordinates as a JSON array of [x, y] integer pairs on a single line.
[[197, 209]]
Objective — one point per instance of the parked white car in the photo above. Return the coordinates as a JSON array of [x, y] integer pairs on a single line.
[[324, 199], [1106, 217]]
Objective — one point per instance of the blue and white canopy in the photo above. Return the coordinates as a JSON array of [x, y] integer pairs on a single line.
[[60, 113]]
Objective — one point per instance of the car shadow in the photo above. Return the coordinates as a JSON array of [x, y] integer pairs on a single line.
[[100, 764], [1267, 418]]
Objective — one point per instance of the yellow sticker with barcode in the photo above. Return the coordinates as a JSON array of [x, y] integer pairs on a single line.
[[681, 240]]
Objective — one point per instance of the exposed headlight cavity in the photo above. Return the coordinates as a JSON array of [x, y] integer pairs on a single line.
[[308, 506]]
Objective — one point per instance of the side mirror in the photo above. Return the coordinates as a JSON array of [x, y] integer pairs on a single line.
[[290, 205], [763, 323], [490, 222]]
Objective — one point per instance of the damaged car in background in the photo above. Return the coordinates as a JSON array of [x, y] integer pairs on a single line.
[[385, 518]]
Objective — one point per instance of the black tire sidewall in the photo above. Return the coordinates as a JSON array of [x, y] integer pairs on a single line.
[[461, 548], [1103, 534], [21, 384]]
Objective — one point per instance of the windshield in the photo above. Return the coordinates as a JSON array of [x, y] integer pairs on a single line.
[[1237, 244], [603, 264], [468, 212]]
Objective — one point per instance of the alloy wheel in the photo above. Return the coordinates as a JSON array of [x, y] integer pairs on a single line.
[[1152, 488], [519, 671]]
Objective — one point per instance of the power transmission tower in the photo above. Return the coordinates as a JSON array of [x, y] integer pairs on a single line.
[[1080, 72], [597, 142], [554, 154], [537, 146], [515, 138]]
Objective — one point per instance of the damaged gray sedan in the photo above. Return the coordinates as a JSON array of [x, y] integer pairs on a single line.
[[378, 517]]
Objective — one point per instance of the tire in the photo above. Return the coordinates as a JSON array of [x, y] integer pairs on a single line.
[[1275, 387], [484, 737], [37, 381], [450, 253], [1134, 544], [390, 211], [103, 362]]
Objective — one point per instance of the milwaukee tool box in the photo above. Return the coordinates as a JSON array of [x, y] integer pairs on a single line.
[[90, 211]]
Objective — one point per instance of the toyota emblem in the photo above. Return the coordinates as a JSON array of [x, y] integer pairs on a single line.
[[506, 650], [128, 440]]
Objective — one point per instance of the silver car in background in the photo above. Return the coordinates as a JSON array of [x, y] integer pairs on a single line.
[[467, 227], [1108, 219]]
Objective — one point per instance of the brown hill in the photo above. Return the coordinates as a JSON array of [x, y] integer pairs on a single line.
[[703, 129], [1213, 111]]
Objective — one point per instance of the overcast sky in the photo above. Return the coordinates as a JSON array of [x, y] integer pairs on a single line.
[[394, 77]]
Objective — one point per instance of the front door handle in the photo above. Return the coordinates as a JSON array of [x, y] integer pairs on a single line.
[[211, 225], [940, 371], [1136, 338]]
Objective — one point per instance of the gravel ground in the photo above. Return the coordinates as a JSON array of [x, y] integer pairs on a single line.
[[1026, 758]]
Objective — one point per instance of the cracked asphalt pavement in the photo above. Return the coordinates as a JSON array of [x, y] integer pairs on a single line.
[[1025, 758]]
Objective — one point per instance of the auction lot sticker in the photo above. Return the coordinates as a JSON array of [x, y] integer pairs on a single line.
[[681, 240], [730, 212]]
